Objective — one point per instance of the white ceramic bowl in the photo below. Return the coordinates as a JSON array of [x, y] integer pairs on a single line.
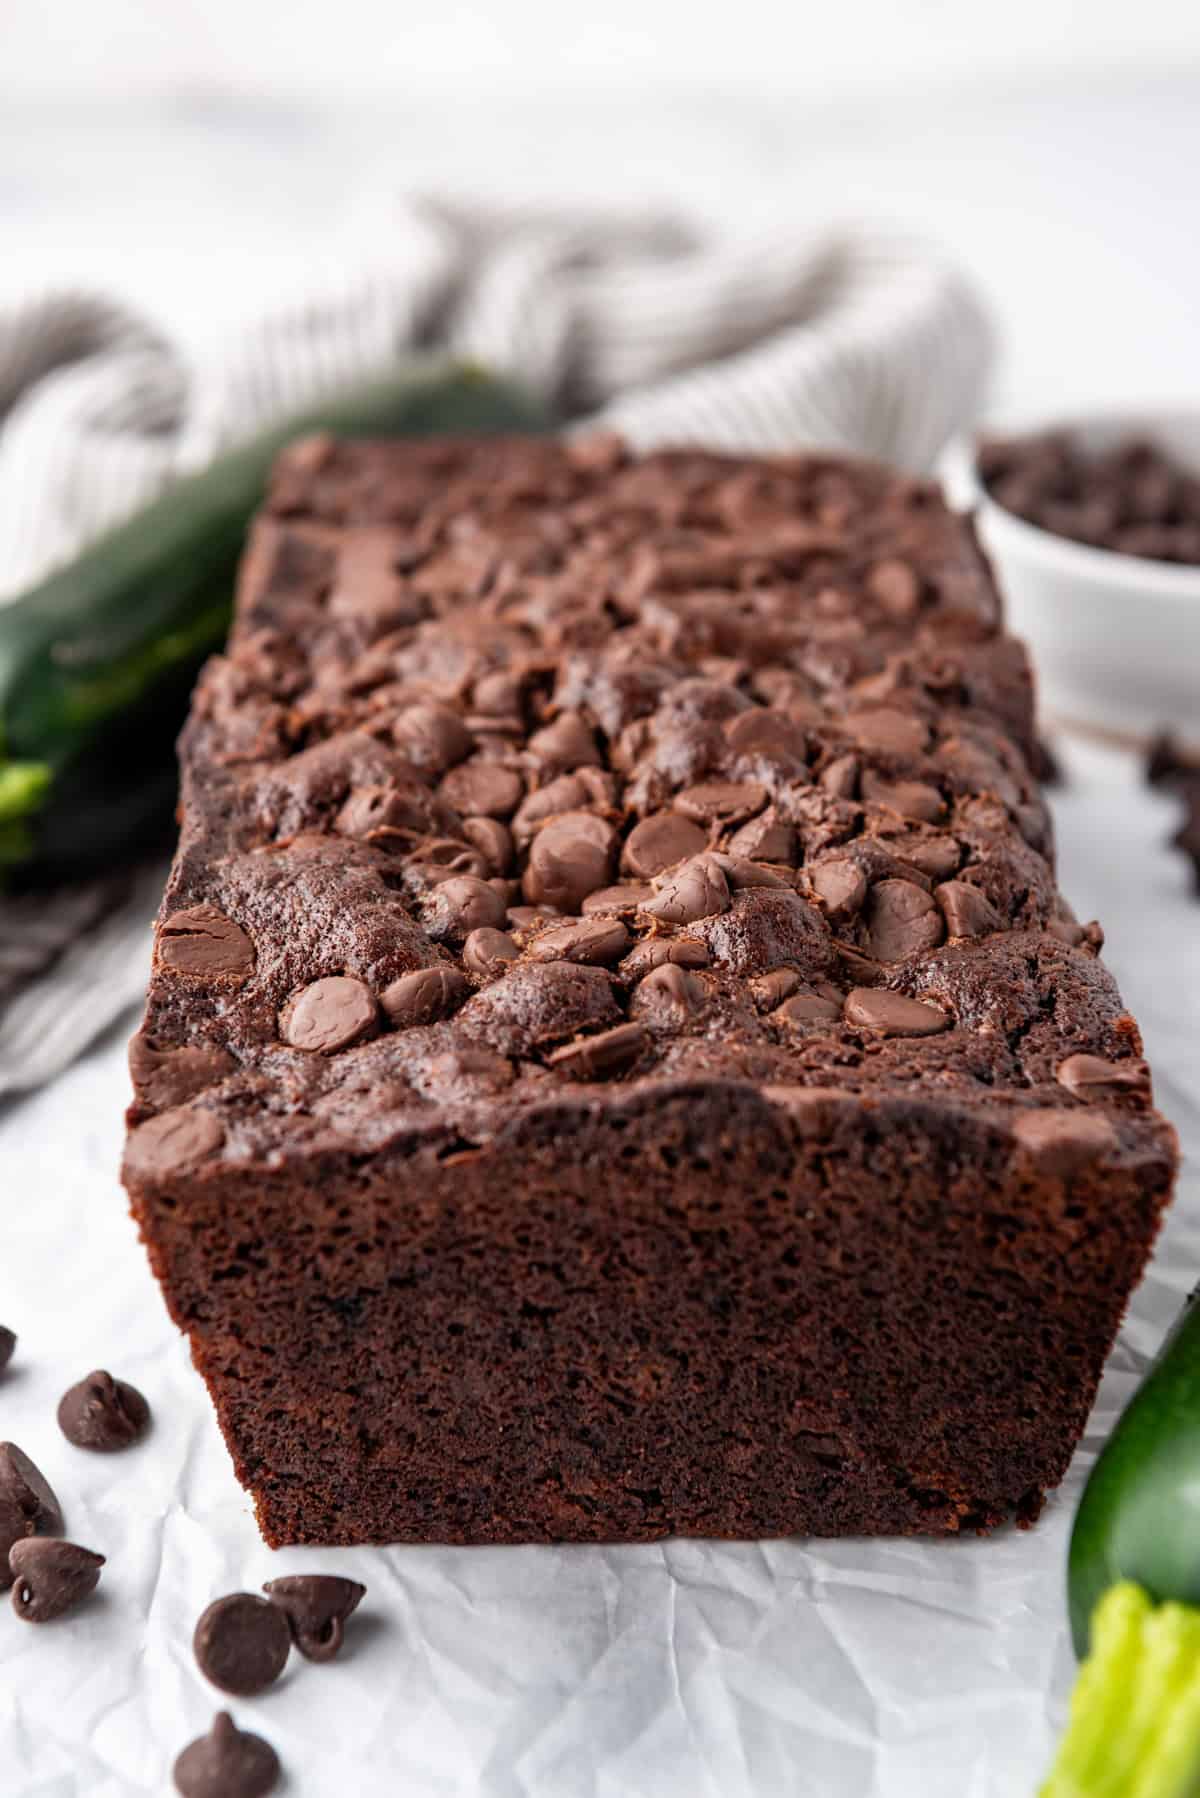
[[1115, 639]]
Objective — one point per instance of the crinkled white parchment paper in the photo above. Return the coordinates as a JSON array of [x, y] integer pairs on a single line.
[[686, 1670]]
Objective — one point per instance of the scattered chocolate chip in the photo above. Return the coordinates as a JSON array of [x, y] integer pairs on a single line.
[[202, 942], [316, 1606], [894, 585], [566, 744], [28, 1507], [1063, 1141], [331, 1014], [741, 873], [102, 1413], [8, 1343], [626, 898], [808, 1008], [766, 732], [241, 1643], [659, 842], [698, 889], [670, 986], [483, 789], [227, 1763], [721, 802], [571, 856], [51, 1577], [770, 990], [592, 940], [967, 911], [839, 778], [601, 1057], [1168, 764], [487, 952], [460, 905], [1095, 1077], [432, 738], [902, 920], [173, 1139], [424, 996], [840, 885], [889, 729], [493, 841], [765, 839], [892, 1014], [913, 799], [659, 951]]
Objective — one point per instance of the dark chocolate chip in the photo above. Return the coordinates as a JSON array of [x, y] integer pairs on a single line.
[[28, 1507], [102, 1413], [721, 802], [892, 1014], [741, 872], [202, 942], [626, 898], [894, 585], [913, 799], [493, 841], [698, 889], [902, 920], [487, 952], [667, 987], [566, 744], [809, 1008], [483, 789], [840, 885], [165, 1077], [227, 1763], [770, 990], [460, 905], [571, 857], [593, 941], [241, 1643], [967, 911], [1095, 1077], [316, 1606], [432, 738], [659, 842], [8, 1343], [424, 996], [765, 839], [1063, 1141], [839, 778], [763, 731], [660, 951], [600, 1057], [175, 1138], [51, 1577], [889, 729], [331, 1014]]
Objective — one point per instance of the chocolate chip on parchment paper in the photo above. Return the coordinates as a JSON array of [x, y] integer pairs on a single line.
[[51, 1577], [316, 1606], [8, 1343], [227, 1763], [241, 1643], [102, 1413], [28, 1507]]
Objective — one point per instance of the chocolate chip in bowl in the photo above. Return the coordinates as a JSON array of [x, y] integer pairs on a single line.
[[1093, 526]]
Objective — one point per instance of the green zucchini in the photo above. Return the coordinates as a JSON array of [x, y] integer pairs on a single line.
[[1139, 1516], [96, 662], [1134, 1727]]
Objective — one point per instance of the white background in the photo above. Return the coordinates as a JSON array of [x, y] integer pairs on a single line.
[[204, 156]]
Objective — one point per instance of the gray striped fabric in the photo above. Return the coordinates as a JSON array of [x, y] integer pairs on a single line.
[[860, 339]]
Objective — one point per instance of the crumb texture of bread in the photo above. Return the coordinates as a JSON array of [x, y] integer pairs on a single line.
[[617, 1060]]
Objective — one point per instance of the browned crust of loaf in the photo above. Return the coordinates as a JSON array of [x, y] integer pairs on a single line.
[[516, 1248]]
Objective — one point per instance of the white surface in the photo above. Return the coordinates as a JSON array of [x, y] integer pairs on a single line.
[[779, 1670], [806, 46], [1115, 639]]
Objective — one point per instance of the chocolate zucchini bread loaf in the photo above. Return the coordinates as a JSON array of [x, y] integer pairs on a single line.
[[617, 1060]]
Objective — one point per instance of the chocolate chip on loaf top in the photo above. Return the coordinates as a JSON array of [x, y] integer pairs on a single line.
[[535, 763]]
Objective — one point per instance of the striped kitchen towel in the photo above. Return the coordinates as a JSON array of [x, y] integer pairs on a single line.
[[857, 338]]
